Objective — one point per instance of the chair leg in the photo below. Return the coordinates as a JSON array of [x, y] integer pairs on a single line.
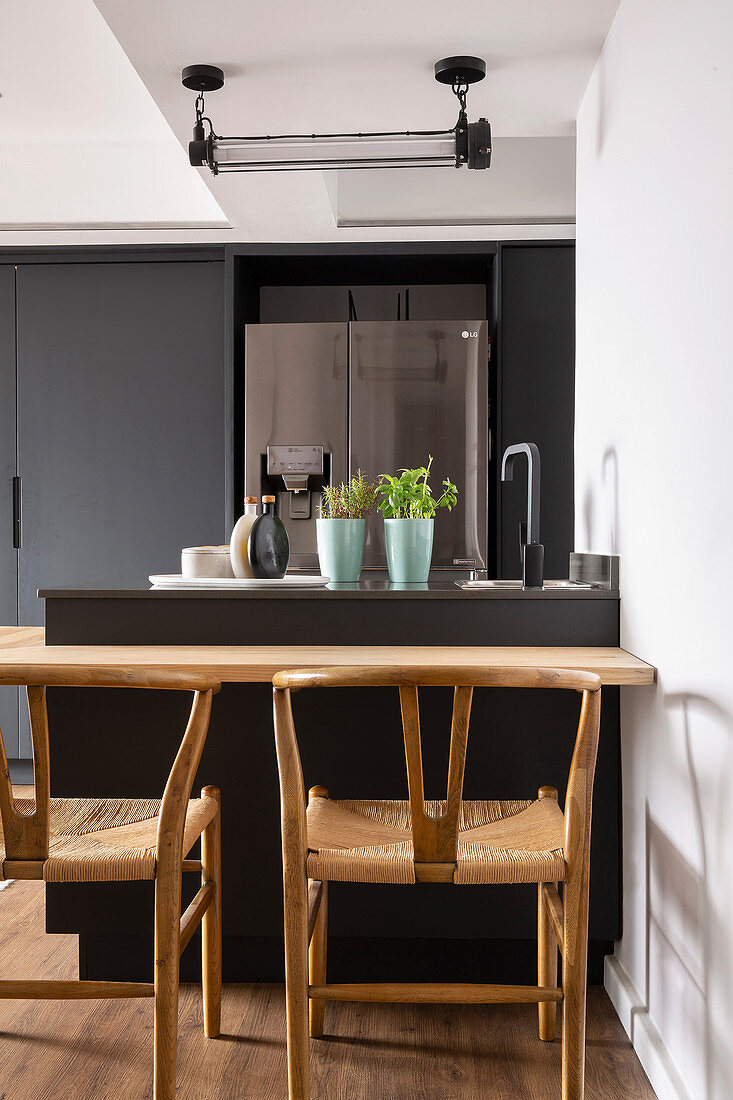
[[574, 971], [167, 933], [546, 967], [296, 982], [546, 950], [211, 923], [317, 964]]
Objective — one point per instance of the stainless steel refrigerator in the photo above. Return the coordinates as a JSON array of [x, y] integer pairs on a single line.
[[324, 400]]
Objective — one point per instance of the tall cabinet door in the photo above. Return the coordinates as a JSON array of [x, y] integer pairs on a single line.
[[538, 394], [121, 419], [8, 552]]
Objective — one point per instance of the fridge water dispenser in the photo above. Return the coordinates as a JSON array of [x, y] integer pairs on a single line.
[[303, 469]]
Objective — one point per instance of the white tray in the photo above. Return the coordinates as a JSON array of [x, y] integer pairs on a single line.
[[290, 580]]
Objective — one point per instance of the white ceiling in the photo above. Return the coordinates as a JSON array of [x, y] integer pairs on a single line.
[[531, 180], [81, 140], [341, 64], [330, 66], [291, 64]]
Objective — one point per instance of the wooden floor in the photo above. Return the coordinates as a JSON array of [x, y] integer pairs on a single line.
[[100, 1049]]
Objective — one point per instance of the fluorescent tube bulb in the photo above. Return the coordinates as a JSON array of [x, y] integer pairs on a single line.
[[319, 152]]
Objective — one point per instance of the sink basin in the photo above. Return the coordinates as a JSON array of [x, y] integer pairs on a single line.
[[518, 584], [568, 584]]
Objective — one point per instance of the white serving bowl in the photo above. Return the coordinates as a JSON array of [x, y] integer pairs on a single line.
[[206, 561]]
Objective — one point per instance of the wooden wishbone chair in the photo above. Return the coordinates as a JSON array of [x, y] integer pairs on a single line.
[[453, 841], [123, 840]]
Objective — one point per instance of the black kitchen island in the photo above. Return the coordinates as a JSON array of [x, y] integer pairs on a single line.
[[120, 744]]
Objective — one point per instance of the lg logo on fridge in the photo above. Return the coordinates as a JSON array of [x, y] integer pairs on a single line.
[[466, 334]]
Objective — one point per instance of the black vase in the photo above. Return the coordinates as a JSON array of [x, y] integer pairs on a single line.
[[268, 545]]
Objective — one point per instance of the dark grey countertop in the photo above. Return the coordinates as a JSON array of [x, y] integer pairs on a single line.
[[377, 587]]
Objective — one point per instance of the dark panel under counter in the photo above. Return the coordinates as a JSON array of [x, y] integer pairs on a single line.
[[118, 743], [372, 613]]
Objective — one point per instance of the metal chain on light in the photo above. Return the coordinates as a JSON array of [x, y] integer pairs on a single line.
[[201, 117], [461, 91]]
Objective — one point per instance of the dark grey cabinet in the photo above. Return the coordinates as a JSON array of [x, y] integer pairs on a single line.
[[120, 422], [419, 302], [537, 397], [447, 303], [8, 553]]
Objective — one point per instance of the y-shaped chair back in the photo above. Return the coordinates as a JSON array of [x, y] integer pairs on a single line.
[[563, 922]]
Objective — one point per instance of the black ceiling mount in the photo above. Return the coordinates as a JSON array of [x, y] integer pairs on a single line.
[[202, 78], [460, 70]]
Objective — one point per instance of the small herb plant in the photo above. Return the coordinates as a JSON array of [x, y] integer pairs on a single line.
[[350, 500], [409, 496]]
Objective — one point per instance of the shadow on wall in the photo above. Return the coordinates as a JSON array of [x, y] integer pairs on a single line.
[[609, 474], [600, 541], [689, 951]]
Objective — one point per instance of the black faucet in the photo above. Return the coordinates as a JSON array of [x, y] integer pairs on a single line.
[[532, 550]]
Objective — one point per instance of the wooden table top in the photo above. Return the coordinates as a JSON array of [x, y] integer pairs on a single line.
[[258, 664]]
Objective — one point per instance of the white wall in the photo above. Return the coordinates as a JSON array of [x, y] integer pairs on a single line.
[[654, 463]]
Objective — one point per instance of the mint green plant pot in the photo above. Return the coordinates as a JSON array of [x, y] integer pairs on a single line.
[[409, 544], [341, 548]]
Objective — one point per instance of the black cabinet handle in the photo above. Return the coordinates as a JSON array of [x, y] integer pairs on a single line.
[[17, 525]]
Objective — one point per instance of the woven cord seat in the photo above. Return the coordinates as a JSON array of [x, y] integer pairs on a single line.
[[108, 839], [498, 842]]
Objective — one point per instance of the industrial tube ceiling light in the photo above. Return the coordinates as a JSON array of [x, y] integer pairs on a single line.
[[467, 143]]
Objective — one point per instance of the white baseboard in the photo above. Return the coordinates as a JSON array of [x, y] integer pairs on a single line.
[[646, 1040]]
